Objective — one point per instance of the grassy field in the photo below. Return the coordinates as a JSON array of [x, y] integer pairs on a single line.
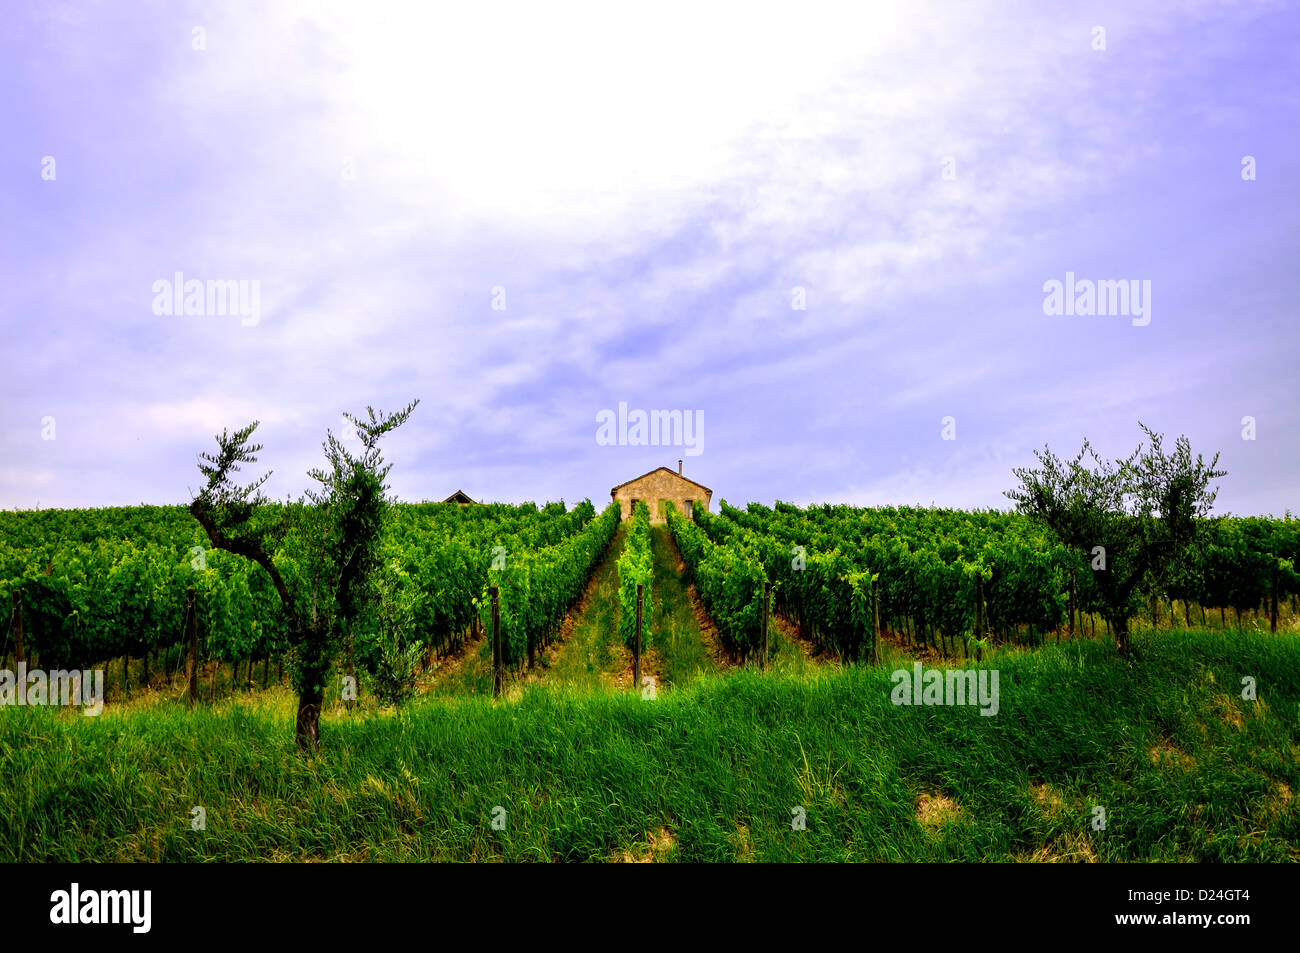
[[714, 770]]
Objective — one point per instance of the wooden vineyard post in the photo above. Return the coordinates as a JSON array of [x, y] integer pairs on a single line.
[[192, 639], [20, 651], [636, 652], [1272, 606], [496, 642], [767, 598], [875, 621]]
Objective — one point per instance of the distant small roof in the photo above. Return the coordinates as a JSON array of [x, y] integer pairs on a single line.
[[666, 470], [458, 497]]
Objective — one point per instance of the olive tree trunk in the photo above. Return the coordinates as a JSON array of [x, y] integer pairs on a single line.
[[1120, 626], [311, 668]]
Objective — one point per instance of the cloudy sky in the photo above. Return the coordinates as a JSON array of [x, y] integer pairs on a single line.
[[825, 229]]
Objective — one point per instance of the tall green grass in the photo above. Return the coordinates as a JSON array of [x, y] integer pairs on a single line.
[[714, 770]]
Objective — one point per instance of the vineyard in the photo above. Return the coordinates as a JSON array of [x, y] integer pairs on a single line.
[[734, 734], [945, 578], [88, 586]]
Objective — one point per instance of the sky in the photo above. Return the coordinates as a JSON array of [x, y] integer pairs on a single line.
[[827, 232]]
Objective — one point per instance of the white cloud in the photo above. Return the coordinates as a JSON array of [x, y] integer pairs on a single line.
[[647, 185]]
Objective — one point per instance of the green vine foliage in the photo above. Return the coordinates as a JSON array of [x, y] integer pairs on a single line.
[[636, 567]]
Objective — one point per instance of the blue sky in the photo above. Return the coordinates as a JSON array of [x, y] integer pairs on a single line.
[[645, 195]]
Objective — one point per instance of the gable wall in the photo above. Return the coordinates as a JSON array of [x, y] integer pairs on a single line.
[[656, 486]]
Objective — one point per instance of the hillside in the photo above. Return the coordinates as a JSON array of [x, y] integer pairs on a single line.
[[713, 770]]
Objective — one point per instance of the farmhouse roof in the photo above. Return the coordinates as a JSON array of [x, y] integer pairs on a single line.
[[666, 470], [458, 497]]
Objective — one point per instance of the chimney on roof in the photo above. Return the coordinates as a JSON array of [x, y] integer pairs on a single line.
[[679, 468]]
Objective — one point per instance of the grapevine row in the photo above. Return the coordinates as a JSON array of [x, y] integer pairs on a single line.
[[730, 578], [636, 568], [536, 588]]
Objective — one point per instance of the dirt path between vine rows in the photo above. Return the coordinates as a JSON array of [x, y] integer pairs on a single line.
[[587, 650], [708, 631]]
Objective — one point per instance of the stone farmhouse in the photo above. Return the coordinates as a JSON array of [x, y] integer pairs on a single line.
[[659, 487]]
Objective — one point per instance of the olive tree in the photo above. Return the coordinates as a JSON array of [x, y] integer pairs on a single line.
[[1134, 519], [320, 552]]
